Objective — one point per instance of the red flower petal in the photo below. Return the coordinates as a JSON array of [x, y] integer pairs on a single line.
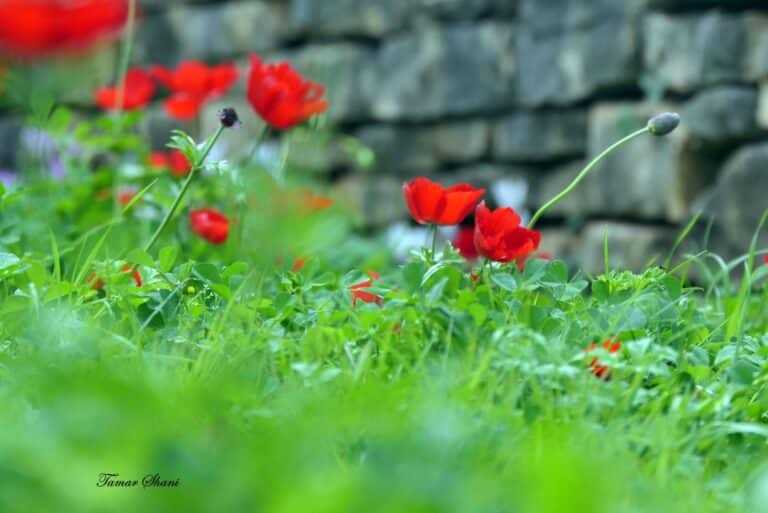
[[210, 224], [464, 242], [183, 107], [137, 92], [499, 236], [281, 96], [180, 165], [35, 28]]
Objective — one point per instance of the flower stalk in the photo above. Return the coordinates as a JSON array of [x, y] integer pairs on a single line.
[[176, 202], [659, 125]]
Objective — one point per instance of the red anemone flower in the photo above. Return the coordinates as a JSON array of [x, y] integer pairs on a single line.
[[464, 242], [281, 96], [124, 196], [98, 283], [358, 294], [138, 91], [192, 84], [174, 160], [298, 264], [431, 203], [603, 371], [499, 236], [210, 224], [35, 28]]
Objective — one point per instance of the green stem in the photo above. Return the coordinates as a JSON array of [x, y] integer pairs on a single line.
[[433, 229], [125, 55], [198, 164], [122, 70], [584, 172]]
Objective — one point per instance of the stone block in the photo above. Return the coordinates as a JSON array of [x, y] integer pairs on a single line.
[[527, 136], [441, 72]]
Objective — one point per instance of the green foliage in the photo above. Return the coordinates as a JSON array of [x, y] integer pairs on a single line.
[[261, 388]]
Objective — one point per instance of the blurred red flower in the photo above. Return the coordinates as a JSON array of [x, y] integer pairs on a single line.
[[124, 196], [603, 371], [499, 236], [281, 96], [358, 294], [431, 203], [314, 202], [765, 259], [173, 160], [192, 84], [298, 264], [210, 224], [137, 93], [464, 242], [36, 28], [98, 284]]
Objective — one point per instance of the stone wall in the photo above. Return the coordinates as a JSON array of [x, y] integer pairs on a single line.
[[519, 94]]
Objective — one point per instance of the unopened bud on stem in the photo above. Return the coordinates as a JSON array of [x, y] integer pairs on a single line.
[[663, 123], [228, 117]]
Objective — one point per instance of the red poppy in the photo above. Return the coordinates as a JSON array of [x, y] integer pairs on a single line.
[[363, 295], [499, 236], [464, 242], [192, 84], [431, 203], [98, 283], [603, 371], [298, 264], [35, 28], [210, 224], [137, 92], [124, 196], [765, 259], [174, 160], [281, 96]]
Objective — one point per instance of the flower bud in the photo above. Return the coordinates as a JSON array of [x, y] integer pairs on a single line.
[[663, 124], [228, 117]]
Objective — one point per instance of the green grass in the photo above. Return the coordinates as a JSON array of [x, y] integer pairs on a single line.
[[263, 389]]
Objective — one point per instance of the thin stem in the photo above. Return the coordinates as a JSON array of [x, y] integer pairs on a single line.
[[125, 55], [433, 228], [565, 192], [184, 187]]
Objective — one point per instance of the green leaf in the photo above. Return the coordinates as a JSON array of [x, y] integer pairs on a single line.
[[141, 257], [504, 280], [167, 257], [8, 260]]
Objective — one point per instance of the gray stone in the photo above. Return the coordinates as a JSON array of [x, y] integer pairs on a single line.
[[686, 52], [540, 136], [631, 246], [553, 16], [10, 132], [756, 66], [403, 150], [762, 105], [737, 201], [561, 67], [649, 178], [210, 32], [438, 72], [377, 18], [722, 115], [377, 199]]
